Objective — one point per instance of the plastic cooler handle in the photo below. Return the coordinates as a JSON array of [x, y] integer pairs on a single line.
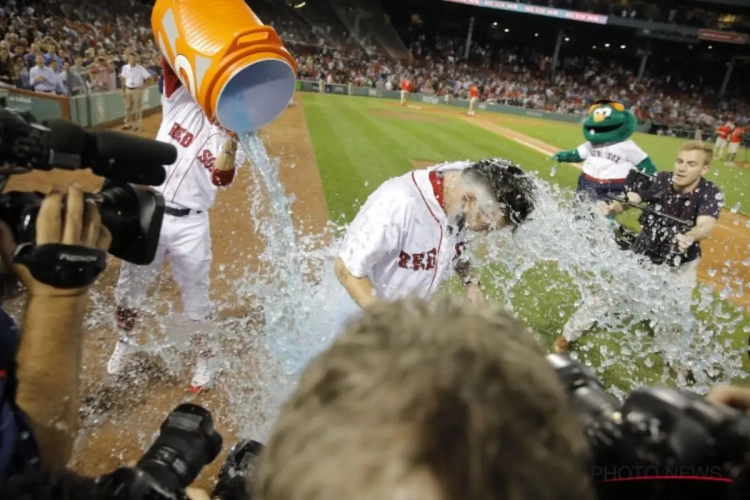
[[255, 35]]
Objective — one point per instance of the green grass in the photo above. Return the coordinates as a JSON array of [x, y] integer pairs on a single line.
[[662, 150], [357, 147]]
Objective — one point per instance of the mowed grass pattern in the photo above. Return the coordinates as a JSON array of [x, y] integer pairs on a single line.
[[358, 145]]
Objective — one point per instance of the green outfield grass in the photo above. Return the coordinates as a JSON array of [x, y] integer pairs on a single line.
[[357, 147], [732, 180]]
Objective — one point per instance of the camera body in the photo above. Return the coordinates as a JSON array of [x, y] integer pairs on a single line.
[[132, 213], [659, 428]]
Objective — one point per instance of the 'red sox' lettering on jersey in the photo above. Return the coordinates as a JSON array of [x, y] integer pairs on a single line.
[[424, 261], [181, 136], [190, 182], [207, 159]]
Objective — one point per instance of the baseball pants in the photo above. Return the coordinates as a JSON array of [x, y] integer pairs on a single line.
[[596, 307], [186, 243], [733, 147], [589, 190], [404, 97], [133, 107]]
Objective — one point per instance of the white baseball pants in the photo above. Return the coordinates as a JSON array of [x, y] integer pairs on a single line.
[[596, 307], [186, 243]]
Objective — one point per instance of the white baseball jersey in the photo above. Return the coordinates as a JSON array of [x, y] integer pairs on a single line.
[[611, 160], [401, 238], [189, 181]]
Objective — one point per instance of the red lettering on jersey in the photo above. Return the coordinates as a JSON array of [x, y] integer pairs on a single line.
[[182, 136], [431, 260], [417, 262], [403, 260], [207, 159]]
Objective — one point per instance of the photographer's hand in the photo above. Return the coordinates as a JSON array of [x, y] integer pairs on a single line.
[[684, 241], [736, 397], [49, 357]]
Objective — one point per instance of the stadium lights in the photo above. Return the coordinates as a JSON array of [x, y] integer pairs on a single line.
[[494, 24], [606, 45], [710, 47], [593, 47], [622, 46], [299, 5], [507, 30], [536, 34], [567, 39]]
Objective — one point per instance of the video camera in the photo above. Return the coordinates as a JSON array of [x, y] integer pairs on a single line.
[[133, 214], [657, 244], [187, 442], [658, 428]]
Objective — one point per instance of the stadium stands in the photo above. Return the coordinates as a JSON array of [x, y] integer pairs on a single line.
[[351, 41]]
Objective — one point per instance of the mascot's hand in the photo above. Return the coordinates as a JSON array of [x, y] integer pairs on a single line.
[[565, 156]]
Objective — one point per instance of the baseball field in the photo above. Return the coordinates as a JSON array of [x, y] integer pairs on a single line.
[[334, 151]]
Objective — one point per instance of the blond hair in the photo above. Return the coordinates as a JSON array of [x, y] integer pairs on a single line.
[[708, 150], [464, 395]]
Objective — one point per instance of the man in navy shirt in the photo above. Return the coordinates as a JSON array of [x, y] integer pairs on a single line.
[[682, 193]]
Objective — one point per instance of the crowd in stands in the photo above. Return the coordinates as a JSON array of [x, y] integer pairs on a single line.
[[72, 48], [520, 76], [81, 48], [669, 12]]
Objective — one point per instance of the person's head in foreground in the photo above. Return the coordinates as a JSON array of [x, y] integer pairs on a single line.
[[490, 194], [691, 164], [427, 400]]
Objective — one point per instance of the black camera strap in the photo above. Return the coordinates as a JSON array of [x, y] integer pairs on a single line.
[[62, 266]]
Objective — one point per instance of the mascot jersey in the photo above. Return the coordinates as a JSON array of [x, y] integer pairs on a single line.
[[609, 154]]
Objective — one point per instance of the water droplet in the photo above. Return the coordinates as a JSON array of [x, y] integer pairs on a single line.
[[735, 208], [553, 171]]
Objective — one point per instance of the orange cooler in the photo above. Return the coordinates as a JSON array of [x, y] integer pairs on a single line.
[[236, 67]]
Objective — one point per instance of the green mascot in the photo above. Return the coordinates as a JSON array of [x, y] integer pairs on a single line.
[[609, 154]]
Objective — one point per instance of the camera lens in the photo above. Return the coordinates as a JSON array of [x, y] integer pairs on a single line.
[[187, 442]]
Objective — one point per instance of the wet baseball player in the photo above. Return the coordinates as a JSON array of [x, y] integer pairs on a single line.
[[207, 157], [411, 232], [405, 92]]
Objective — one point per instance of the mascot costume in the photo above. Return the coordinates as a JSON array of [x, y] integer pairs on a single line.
[[609, 154]]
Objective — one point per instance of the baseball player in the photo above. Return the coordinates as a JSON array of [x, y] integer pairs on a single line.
[[405, 90], [473, 99], [722, 136], [734, 144], [206, 160], [411, 231]]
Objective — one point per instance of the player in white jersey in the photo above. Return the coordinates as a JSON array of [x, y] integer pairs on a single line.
[[410, 233], [207, 157]]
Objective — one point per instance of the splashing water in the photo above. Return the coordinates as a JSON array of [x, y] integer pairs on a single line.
[[539, 272]]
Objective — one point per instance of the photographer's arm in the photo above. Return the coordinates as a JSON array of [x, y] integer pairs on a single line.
[[49, 357], [702, 229]]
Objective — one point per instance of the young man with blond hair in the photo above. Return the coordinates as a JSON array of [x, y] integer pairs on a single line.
[[427, 400], [683, 193]]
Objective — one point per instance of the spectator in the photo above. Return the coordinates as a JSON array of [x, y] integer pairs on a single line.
[[8, 75], [72, 83], [43, 79], [134, 79]]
